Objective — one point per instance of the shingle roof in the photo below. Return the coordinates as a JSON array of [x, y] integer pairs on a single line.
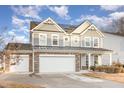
[[18, 46], [33, 24], [71, 48], [23, 46]]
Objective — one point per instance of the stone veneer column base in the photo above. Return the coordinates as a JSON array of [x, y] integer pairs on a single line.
[[30, 63], [36, 62], [78, 62]]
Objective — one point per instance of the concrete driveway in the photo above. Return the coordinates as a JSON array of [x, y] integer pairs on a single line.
[[62, 81]]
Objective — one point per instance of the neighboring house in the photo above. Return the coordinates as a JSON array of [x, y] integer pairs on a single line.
[[57, 47], [114, 42]]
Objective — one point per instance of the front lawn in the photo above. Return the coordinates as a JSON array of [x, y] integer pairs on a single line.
[[11, 84], [118, 77]]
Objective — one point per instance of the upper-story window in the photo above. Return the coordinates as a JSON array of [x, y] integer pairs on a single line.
[[96, 42], [43, 39], [55, 40], [66, 40], [87, 41], [91, 42]]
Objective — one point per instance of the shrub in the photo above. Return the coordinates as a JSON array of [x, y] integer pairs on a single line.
[[1, 69], [122, 71], [117, 64], [101, 68], [92, 68], [117, 70], [84, 67], [109, 69]]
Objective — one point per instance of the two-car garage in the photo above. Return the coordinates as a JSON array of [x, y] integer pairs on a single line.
[[57, 63]]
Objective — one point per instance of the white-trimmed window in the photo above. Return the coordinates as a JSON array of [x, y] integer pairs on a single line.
[[96, 42], [55, 40], [87, 41], [66, 40], [43, 39]]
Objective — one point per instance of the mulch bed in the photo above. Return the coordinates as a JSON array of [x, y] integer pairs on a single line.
[[118, 77]]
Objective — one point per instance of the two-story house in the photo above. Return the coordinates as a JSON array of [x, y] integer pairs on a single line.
[[57, 47]]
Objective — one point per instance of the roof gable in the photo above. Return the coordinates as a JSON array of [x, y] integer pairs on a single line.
[[48, 25], [82, 27], [93, 28]]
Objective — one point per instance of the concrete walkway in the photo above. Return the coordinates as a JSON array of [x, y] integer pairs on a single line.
[[62, 81]]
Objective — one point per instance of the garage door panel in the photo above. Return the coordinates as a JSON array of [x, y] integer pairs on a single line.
[[22, 65], [57, 63]]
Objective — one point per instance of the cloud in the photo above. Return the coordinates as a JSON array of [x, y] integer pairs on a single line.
[[102, 22], [20, 39], [17, 22], [61, 11], [20, 25], [13, 36], [28, 11], [111, 7], [116, 15], [20, 29], [11, 33]]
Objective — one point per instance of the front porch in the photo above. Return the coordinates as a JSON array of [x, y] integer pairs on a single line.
[[94, 59]]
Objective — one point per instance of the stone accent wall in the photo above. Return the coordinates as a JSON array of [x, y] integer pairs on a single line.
[[78, 62], [30, 63], [36, 62]]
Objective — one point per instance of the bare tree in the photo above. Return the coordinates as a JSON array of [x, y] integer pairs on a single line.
[[119, 25], [4, 36]]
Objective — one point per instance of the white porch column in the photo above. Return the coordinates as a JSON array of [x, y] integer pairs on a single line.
[[89, 61], [110, 55], [99, 59]]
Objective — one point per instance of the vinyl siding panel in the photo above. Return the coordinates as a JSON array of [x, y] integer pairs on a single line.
[[36, 39], [48, 27], [115, 43], [92, 34]]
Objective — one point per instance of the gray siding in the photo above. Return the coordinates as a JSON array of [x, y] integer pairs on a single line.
[[115, 43], [36, 39]]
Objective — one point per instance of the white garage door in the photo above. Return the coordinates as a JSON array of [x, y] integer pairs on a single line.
[[19, 63], [57, 63]]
